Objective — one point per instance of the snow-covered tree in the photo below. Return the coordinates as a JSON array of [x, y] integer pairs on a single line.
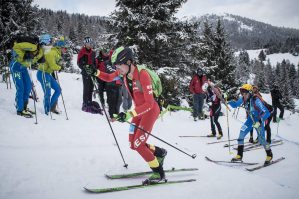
[[151, 29], [225, 70], [17, 17]]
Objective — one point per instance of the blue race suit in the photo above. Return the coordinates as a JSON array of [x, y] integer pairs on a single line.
[[257, 111]]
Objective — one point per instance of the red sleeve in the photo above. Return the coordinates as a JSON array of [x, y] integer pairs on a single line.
[[191, 86], [146, 84], [108, 77], [80, 54]]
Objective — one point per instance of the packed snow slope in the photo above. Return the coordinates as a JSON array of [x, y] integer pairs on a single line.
[[57, 158]]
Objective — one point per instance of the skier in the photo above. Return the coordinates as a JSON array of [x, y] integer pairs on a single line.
[[256, 93], [276, 97], [146, 109], [214, 103], [257, 115], [195, 87], [51, 63], [26, 52], [87, 59]]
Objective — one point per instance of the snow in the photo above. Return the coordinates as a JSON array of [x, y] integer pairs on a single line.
[[57, 158], [274, 58]]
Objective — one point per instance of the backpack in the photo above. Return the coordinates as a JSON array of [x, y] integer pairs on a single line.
[[156, 82]]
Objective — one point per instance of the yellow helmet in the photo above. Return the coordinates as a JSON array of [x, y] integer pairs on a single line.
[[247, 87]]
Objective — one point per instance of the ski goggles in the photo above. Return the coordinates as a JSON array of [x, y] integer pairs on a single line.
[[243, 91]]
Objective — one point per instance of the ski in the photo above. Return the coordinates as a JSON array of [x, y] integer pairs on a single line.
[[137, 186], [262, 166], [216, 142], [261, 147], [230, 162], [255, 145], [138, 174], [193, 136]]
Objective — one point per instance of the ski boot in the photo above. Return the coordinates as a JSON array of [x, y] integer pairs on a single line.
[[211, 135], [27, 109], [25, 113], [251, 140], [157, 176], [239, 156], [269, 157], [54, 109], [219, 136], [256, 141], [160, 153], [195, 119]]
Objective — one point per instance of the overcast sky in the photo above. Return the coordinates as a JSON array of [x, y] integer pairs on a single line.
[[275, 12]]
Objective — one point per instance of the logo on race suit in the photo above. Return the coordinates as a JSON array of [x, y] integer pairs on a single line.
[[17, 75], [142, 138]]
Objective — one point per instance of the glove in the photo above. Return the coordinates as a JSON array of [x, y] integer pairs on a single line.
[[256, 125], [90, 70], [123, 116], [225, 95]]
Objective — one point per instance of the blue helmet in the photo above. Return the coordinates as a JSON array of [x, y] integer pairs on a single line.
[[45, 39], [60, 42]]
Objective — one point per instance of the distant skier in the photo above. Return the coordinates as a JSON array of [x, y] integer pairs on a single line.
[[146, 109], [195, 87], [214, 103], [257, 115], [87, 59], [276, 97], [52, 58], [26, 52], [256, 93]]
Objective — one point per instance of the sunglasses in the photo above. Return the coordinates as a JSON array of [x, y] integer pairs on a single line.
[[243, 91]]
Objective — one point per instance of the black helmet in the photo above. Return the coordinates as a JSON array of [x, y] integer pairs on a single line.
[[121, 55], [199, 72]]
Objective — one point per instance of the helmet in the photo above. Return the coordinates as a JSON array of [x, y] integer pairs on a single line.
[[87, 40], [121, 55], [199, 72], [60, 42], [45, 39], [246, 87]]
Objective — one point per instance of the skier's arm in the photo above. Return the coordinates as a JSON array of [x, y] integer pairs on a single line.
[[265, 113], [50, 57], [191, 85], [235, 104]]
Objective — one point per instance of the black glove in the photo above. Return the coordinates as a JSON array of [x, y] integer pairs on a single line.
[[90, 70], [28, 55], [41, 60], [122, 116]]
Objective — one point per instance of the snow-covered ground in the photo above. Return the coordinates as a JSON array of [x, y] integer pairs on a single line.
[[57, 158], [274, 58]]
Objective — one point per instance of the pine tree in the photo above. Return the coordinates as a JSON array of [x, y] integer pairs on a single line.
[[17, 16], [225, 70], [262, 56], [150, 27]]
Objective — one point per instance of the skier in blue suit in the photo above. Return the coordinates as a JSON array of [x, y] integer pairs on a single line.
[[257, 113]]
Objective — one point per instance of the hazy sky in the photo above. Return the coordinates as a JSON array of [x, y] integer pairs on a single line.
[[275, 12]]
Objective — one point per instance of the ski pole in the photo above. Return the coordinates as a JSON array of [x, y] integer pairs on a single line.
[[94, 83], [61, 96], [33, 93], [236, 116], [192, 156], [227, 127]]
